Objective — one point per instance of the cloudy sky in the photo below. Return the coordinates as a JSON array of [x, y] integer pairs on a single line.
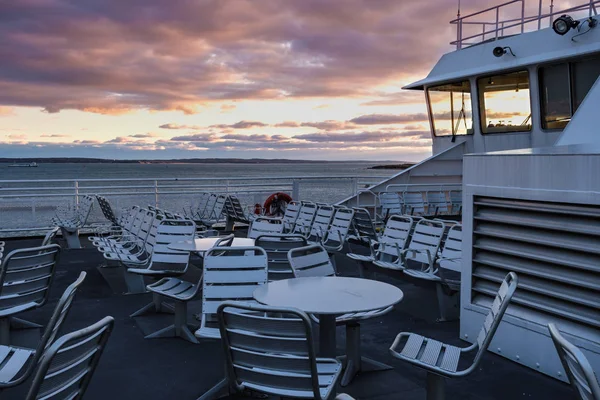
[[309, 79]]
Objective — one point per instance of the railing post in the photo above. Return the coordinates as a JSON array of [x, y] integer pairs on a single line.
[[156, 194], [540, 15], [355, 186], [76, 194], [296, 189], [522, 16], [33, 209], [497, 21], [227, 186]]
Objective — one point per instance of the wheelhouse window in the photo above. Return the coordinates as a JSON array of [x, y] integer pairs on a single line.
[[450, 107], [563, 88], [505, 103]]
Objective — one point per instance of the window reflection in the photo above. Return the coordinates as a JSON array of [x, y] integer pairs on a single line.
[[451, 109], [505, 103]]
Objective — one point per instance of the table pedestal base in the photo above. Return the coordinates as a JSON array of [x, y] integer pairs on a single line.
[[327, 344], [363, 364]]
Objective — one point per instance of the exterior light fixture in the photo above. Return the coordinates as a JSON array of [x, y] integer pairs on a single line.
[[500, 51], [564, 24]]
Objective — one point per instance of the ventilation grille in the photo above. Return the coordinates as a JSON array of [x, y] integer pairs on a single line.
[[554, 248]]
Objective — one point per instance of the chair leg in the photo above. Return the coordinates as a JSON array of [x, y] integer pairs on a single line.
[[157, 306], [436, 387], [18, 323], [353, 353], [135, 283], [217, 391], [5, 331], [181, 327], [72, 238], [449, 304]]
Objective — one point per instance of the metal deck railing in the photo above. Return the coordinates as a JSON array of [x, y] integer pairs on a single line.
[[28, 205], [509, 18]]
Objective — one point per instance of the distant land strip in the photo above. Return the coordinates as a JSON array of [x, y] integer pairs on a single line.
[[190, 161]]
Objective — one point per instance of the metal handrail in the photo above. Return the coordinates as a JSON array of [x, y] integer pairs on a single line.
[[500, 25]]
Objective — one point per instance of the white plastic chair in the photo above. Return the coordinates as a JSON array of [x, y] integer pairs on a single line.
[[387, 250], [323, 218], [424, 249], [440, 360], [391, 204], [263, 226], [277, 248], [337, 232], [230, 273], [363, 226], [306, 216], [273, 355], [413, 203]]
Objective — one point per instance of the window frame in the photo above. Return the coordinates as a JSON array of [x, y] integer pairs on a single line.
[[481, 101], [430, 111], [569, 62]]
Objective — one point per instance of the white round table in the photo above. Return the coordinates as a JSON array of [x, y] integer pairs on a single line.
[[201, 245], [327, 297]]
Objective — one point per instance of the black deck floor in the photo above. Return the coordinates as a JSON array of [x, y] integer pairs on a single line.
[[135, 368]]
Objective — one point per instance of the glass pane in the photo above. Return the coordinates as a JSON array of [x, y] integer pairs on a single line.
[[506, 105], [555, 96], [451, 109], [585, 74]]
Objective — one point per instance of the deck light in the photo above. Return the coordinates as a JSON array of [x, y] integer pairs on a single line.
[[500, 51], [563, 24]]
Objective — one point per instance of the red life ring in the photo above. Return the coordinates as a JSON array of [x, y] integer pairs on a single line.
[[274, 203]]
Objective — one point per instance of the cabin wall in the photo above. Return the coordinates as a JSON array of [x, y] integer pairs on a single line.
[[559, 181]]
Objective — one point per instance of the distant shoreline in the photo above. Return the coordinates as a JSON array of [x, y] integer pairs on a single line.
[[186, 161], [393, 166]]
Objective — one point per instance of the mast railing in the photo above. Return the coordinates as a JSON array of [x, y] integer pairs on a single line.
[[500, 26]]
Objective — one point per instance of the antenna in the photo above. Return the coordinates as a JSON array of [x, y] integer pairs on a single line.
[[458, 12]]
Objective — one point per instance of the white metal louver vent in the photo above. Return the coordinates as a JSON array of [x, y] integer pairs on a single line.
[[553, 247]]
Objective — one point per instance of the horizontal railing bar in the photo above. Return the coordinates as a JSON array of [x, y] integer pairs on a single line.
[[486, 10], [316, 177], [71, 188]]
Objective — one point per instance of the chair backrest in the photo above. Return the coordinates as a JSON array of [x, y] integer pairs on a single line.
[[436, 202], [50, 235], [210, 206], [224, 241], [26, 275], [234, 210], [230, 273], [396, 235], [277, 248], [130, 218], [323, 218], [413, 203], [290, 215], [310, 261], [391, 204], [426, 237], [52, 329], [578, 369], [494, 316], [170, 231], [269, 348], [107, 210], [306, 215], [456, 197], [337, 231], [85, 208], [452, 250], [219, 208], [198, 210], [263, 226], [363, 225], [66, 367]]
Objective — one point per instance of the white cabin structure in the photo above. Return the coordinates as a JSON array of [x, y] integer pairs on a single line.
[[514, 124]]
